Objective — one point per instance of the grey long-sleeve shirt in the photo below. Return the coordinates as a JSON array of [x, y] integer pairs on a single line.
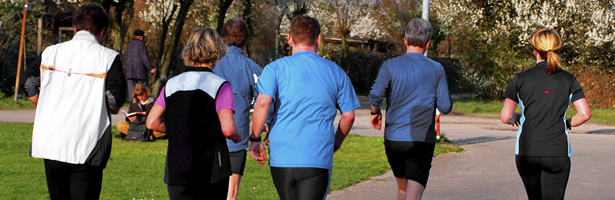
[[242, 73], [414, 86]]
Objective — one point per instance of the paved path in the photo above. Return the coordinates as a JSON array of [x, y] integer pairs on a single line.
[[486, 170], [27, 116]]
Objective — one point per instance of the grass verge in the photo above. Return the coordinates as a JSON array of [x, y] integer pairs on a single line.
[[137, 168], [492, 107], [8, 103]]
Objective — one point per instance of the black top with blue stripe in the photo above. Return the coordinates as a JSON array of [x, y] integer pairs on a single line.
[[544, 99]]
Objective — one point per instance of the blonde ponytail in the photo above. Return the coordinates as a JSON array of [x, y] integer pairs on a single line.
[[554, 62], [548, 44]]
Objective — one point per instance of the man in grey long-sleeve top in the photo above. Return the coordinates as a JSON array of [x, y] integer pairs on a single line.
[[414, 86], [137, 63], [242, 73]]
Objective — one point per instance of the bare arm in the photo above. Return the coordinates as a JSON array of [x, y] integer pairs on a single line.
[[343, 129], [376, 119], [229, 128], [34, 99], [583, 112], [155, 119], [507, 110], [115, 110], [261, 108]]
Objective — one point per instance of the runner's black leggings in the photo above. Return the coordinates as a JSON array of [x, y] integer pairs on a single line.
[[544, 177], [301, 183]]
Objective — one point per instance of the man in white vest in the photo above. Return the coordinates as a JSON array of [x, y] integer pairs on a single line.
[[81, 84]]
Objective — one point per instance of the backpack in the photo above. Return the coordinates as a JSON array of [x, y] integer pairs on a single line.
[[137, 130]]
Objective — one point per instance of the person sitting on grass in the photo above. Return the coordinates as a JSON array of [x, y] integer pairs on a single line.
[[141, 105]]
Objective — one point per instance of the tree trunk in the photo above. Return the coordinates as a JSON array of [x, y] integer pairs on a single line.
[[222, 7], [247, 16], [344, 45], [278, 37], [126, 19], [173, 45], [166, 22]]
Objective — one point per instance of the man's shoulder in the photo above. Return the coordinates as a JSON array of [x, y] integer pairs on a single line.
[[70, 45], [420, 60], [134, 43]]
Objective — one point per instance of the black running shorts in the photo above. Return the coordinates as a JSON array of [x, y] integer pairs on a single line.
[[238, 161], [410, 160]]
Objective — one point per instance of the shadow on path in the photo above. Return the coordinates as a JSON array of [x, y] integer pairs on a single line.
[[602, 131], [482, 139]]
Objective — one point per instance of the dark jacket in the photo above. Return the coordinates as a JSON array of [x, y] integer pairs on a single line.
[[135, 58]]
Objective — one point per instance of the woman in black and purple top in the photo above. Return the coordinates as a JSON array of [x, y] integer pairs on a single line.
[[544, 94], [196, 110]]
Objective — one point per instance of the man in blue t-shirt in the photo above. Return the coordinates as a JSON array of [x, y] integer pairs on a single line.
[[414, 87], [306, 90]]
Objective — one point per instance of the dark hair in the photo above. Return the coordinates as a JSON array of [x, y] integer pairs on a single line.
[[548, 44], [418, 32], [139, 90], [235, 32], [304, 29], [91, 17]]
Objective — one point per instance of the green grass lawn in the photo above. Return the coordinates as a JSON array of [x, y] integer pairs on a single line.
[[8, 103], [492, 107], [138, 167]]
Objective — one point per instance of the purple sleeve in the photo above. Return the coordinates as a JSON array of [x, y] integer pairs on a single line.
[[225, 98], [160, 101]]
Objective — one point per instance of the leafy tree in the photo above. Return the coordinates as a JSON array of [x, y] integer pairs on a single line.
[[171, 52], [492, 36]]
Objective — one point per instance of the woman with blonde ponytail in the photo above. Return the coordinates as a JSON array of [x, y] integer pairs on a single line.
[[544, 93]]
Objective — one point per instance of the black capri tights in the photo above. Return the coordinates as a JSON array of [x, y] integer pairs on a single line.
[[301, 183], [544, 177]]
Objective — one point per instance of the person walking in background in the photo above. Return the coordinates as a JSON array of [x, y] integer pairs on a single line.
[[136, 61], [195, 109], [81, 83], [414, 87], [141, 104], [544, 93], [242, 73], [307, 90]]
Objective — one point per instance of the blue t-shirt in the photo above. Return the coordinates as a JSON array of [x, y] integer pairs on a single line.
[[307, 90]]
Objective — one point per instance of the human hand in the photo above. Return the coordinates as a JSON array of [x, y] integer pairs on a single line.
[[257, 151], [336, 147], [376, 121], [514, 120], [153, 70], [132, 118], [236, 138]]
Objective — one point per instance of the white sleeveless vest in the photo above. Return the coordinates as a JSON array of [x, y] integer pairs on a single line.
[[72, 112]]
